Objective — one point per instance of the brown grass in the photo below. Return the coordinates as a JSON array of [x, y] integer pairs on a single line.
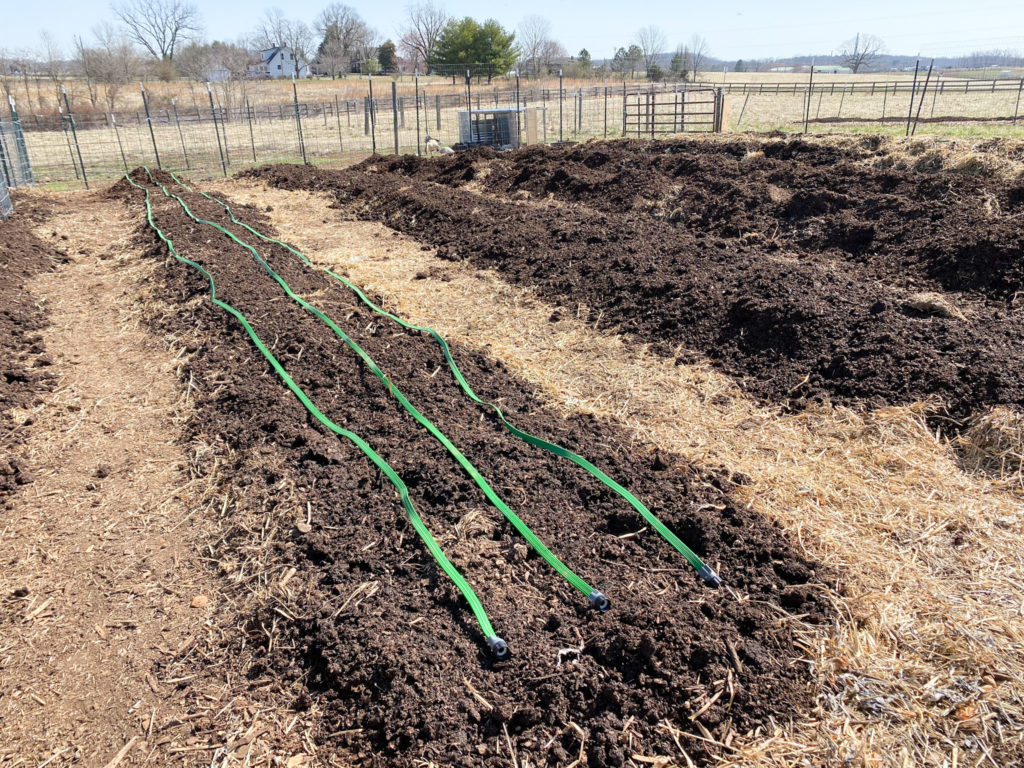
[[926, 664]]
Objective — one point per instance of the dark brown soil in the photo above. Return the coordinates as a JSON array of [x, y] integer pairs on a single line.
[[23, 359], [796, 271], [396, 671]]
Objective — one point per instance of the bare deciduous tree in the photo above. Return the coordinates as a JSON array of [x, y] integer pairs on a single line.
[[344, 38], [159, 26], [534, 36], [114, 62], [423, 27], [52, 60], [274, 29], [552, 56], [365, 53], [697, 50], [85, 62], [330, 57], [651, 41], [6, 72], [861, 51]]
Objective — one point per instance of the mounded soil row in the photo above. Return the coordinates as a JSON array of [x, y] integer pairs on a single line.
[[23, 359], [399, 666], [788, 265]]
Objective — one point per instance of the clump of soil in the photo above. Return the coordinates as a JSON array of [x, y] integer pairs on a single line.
[[786, 264], [23, 360], [387, 646]]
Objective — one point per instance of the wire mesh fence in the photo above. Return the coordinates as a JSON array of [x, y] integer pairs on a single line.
[[67, 148], [15, 167], [888, 107], [6, 207]]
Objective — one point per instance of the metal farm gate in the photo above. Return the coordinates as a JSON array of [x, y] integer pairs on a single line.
[[648, 113]]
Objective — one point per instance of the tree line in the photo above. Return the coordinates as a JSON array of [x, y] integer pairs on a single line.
[[164, 39]]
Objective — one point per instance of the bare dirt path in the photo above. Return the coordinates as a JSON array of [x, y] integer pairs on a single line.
[[927, 666], [102, 590]]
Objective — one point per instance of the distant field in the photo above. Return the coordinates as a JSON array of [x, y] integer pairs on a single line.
[[41, 96]]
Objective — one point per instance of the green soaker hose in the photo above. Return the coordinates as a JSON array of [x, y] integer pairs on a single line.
[[594, 596], [497, 645], [703, 570]]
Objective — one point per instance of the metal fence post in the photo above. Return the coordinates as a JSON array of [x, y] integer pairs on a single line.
[[149, 122], [394, 111], [416, 94], [624, 109], [181, 136], [606, 110], [810, 93], [252, 136], [519, 127], [560, 99], [74, 134], [7, 173], [373, 122], [124, 160], [924, 92], [437, 111], [469, 106], [366, 115], [67, 139], [913, 92], [21, 148], [298, 121], [337, 119], [1016, 106], [213, 114]]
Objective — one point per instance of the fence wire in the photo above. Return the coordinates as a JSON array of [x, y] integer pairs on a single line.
[[220, 140], [15, 168], [6, 207]]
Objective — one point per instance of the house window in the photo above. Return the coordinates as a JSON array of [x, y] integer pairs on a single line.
[[278, 66]]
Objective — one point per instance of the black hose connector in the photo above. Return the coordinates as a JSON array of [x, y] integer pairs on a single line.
[[711, 578], [599, 600], [498, 647]]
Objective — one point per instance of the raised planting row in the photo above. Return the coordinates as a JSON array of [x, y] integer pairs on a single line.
[[790, 325], [403, 671], [24, 364], [820, 202]]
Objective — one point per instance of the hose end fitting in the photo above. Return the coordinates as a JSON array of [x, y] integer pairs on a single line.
[[498, 647], [711, 578], [599, 600]]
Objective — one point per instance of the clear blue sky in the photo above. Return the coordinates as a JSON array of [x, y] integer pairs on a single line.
[[734, 30]]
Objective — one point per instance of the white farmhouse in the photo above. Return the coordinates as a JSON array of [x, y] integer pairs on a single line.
[[279, 61]]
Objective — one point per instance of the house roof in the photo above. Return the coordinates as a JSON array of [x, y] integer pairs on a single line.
[[270, 53]]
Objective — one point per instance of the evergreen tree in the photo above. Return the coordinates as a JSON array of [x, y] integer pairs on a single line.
[[678, 63], [387, 57], [467, 44]]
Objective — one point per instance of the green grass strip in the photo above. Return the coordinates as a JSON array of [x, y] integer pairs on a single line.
[[576, 581], [704, 571], [496, 643]]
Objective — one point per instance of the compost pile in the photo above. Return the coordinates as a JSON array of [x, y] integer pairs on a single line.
[[800, 269], [386, 645], [23, 358]]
